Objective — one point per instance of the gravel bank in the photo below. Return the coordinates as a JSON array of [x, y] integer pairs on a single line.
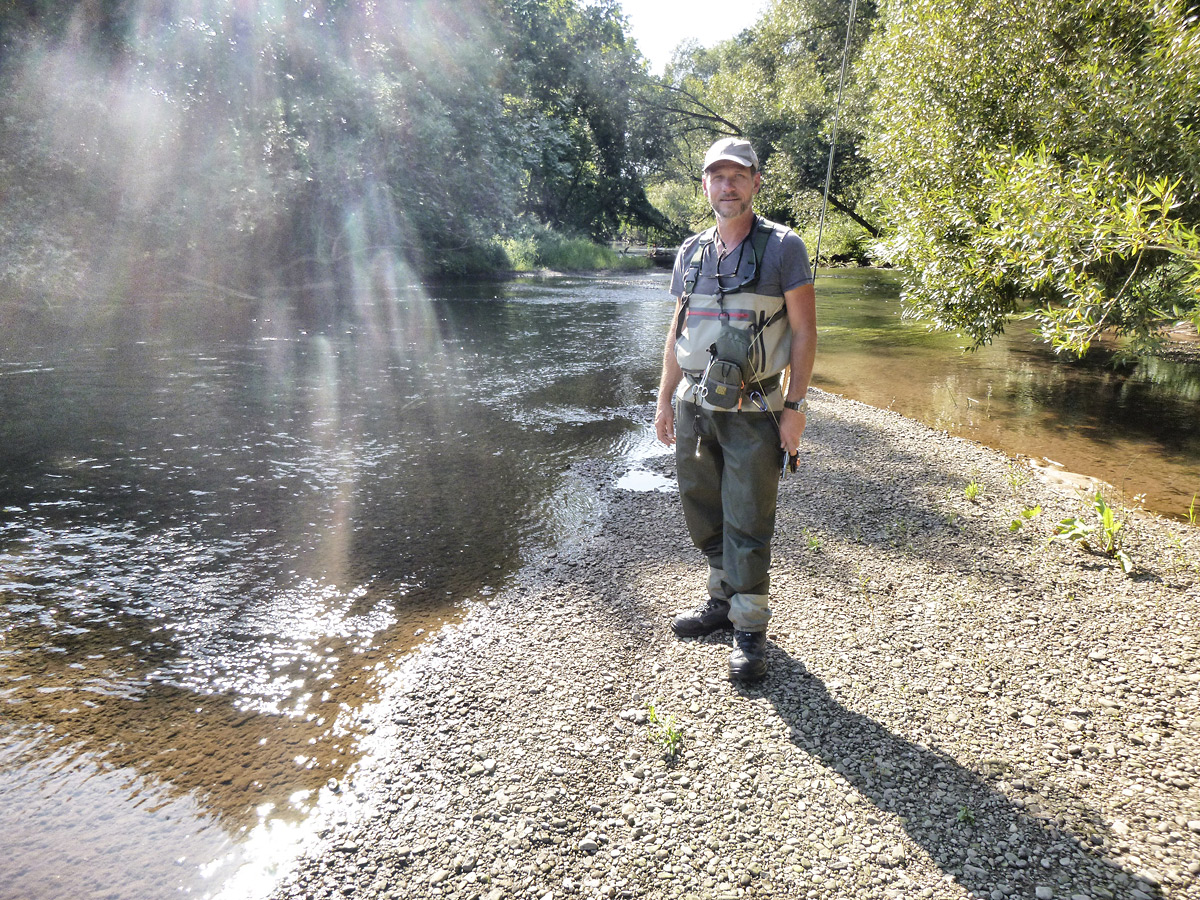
[[953, 709]]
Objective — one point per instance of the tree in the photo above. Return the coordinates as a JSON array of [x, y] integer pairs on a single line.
[[318, 135], [1041, 158], [232, 138], [777, 84], [571, 84]]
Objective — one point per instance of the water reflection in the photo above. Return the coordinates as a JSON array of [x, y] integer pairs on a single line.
[[1134, 427]]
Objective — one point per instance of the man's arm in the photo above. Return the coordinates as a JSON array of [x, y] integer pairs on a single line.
[[801, 305], [664, 416]]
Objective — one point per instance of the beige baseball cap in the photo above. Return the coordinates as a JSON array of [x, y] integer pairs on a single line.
[[735, 150]]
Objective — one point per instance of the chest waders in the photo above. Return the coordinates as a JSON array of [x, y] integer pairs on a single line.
[[733, 346]]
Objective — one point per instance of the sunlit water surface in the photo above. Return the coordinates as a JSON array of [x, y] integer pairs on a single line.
[[224, 521]]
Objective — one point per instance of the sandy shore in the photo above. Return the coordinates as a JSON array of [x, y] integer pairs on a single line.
[[954, 709]]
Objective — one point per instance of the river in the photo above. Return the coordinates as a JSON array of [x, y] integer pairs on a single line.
[[224, 518]]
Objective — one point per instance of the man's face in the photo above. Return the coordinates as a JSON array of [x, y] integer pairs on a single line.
[[730, 188]]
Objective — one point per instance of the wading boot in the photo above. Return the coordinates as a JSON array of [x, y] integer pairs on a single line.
[[712, 616], [748, 661]]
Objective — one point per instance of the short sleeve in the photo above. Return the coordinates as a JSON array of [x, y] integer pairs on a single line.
[[794, 268], [677, 271]]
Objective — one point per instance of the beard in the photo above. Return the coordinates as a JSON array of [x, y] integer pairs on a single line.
[[732, 208]]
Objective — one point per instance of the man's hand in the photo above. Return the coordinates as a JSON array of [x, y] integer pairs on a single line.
[[664, 422], [791, 427]]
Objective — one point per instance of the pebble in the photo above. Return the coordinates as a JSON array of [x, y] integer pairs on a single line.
[[954, 710]]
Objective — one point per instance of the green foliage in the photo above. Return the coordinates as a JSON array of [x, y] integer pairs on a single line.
[[1025, 515], [971, 491], [776, 84], [680, 201], [1105, 535], [99, 26], [521, 253], [339, 143], [571, 86], [665, 733], [843, 240], [1035, 158], [577, 254], [482, 259], [538, 247]]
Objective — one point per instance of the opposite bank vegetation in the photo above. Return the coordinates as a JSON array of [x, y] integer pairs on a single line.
[[1009, 158]]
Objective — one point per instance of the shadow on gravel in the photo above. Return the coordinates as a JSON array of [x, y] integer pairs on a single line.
[[971, 831], [890, 491]]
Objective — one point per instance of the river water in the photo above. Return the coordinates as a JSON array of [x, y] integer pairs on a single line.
[[224, 519]]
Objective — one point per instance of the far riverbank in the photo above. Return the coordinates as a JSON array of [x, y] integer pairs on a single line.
[[955, 709]]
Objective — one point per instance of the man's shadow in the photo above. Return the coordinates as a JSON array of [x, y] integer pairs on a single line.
[[970, 829]]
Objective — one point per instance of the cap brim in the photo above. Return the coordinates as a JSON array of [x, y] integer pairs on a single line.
[[732, 159]]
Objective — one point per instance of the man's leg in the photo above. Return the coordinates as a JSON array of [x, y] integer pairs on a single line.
[[750, 489], [699, 471]]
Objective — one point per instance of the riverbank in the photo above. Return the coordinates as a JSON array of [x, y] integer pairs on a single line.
[[953, 709]]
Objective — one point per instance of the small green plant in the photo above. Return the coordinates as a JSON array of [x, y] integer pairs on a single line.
[[813, 540], [1192, 510], [966, 816], [1105, 536], [1177, 560], [864, 588], [971, 491], [666, 733], [1017, 477], [1029, 512], [900, 532]]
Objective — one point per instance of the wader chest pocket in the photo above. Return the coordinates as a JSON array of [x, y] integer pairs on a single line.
[[725, 375]]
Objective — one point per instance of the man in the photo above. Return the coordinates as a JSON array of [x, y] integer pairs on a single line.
[[745, 316]]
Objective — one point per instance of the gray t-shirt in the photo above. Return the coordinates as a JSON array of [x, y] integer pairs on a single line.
[[784, 264]]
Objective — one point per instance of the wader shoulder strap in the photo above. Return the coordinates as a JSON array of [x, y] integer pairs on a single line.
[[691, 274], [691, 269], [758, 243]]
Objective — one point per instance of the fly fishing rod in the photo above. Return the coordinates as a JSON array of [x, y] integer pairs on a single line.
[[837, 115]]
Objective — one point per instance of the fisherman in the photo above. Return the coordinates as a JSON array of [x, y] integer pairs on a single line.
[[732, 399]]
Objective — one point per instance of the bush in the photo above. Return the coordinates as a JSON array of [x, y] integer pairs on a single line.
[[542, 248], [1039, 159], [474, 259], [522, 252], [842, 241]]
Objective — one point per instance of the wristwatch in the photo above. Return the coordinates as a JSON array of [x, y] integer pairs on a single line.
[[798, 405]]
